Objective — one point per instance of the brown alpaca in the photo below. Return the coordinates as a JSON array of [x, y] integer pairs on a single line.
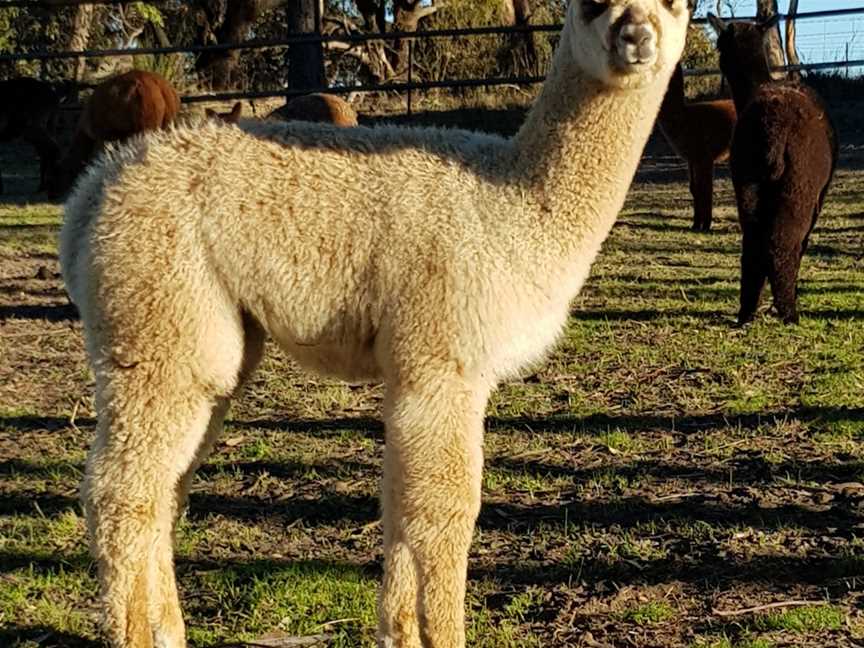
[[783, 157], [130, 103], [231, 117], [318, 108], [700, 133], [27, 109]]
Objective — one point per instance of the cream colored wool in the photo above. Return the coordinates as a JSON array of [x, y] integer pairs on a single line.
[[437, 261]]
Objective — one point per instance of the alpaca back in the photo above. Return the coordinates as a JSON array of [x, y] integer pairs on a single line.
[[318, 107], [785, 136], [700, 130], [129, 103]]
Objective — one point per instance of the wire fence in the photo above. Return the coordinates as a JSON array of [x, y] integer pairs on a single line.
[[355, 39]]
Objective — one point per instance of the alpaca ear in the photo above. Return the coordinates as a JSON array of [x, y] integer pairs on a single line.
[[236, 111], [210, 113], [769, 24], [717, 23]]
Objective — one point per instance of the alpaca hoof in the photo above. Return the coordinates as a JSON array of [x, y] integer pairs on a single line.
[[744, 321]]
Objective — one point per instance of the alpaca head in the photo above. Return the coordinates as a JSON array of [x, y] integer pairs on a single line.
[[627, 43], [742, 46], [231, 117]]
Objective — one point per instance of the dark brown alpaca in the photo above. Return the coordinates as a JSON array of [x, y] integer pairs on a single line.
[[27, 109], [700, 133], [783, 156], [120, 107]]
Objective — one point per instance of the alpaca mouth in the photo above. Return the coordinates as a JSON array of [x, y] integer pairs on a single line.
[[629, 63], [635, 44]]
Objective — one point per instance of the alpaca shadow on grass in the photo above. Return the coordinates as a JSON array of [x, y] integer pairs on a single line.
[[288, 470], [601, 423], [326, 509], [42, 423], [744, 472], [670, 224], [706, 572], [621, 315], [593, 424], [51, 313], [830, 251], [675, 282], [743, 504], [41, 504], [14, 634]]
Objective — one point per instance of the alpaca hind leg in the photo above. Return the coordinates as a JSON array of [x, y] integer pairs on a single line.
[[154, 417], [129, 500], [702, 188], [172, 620], [783, 276], [253, 348], [434, 432], [753, 275]]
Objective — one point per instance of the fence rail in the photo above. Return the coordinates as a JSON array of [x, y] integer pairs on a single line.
[[300, 39], [359, 39]]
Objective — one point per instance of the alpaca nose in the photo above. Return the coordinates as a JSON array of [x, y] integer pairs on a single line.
[[636, 37]]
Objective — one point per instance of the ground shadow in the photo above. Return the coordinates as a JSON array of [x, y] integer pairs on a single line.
[[50, 313], [14, 634]]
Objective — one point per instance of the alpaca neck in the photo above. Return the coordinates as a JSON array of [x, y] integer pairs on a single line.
[[745, 85], [743, 91], [578, 151], [672, 117]]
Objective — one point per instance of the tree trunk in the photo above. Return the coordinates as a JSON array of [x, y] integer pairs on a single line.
[[374, 14], [774, 44], [305, 60], [82, 22], [219, 69], [791, 49]]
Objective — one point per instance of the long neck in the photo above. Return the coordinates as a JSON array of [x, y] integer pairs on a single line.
[[745, 80], [578, 151], [672, 109], [672, 117]]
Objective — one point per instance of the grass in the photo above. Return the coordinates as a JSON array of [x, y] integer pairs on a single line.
[[660, 465], [649, 613], [804, 619]]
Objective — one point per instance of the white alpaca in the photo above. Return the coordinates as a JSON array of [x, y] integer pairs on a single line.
[[437, 261]]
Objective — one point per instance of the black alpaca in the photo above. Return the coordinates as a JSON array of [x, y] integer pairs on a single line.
[[784, 151], [27, 110]]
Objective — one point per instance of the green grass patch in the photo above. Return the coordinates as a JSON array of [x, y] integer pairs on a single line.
[[649, 613], [803, 619]]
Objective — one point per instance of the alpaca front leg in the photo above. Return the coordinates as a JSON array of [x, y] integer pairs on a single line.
[[435, 460], [398, 599]]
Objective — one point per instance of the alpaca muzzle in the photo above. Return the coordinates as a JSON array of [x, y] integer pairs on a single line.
[[634, 38]]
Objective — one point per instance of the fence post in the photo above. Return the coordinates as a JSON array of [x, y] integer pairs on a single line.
[[305, 60], [410, 73]]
